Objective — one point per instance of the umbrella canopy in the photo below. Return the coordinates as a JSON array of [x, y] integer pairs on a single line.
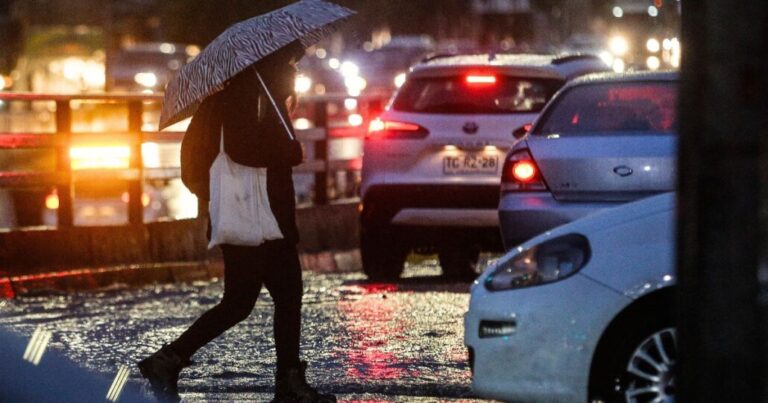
[[242, 45]]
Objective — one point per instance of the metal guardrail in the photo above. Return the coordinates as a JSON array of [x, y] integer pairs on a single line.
[[63, 178]]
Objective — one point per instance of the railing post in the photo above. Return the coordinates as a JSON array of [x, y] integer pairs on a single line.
[[64, 191], [321, 153], [135, 207]]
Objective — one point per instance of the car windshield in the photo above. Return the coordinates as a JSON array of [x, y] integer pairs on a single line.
[[639, 107], [484, 94]]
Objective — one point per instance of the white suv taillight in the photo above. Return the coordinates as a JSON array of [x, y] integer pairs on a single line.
[[520, 173], [395, 130]]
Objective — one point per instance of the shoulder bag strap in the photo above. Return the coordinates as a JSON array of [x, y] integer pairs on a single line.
[[282, 119], [221, 139]]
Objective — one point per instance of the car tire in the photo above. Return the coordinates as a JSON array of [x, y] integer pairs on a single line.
[[459, 261], [382, 255], [642, 367]]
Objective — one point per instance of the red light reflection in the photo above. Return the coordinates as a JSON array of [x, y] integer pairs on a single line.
[[377, 288], [373, 320], [6, 289]]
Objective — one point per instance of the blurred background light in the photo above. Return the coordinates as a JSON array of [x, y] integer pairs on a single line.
[[607, 57], [167, 48], [653, 45], [302, 84], [619, 66], [302, 124], [94, 157], [349, 69], [399, 80], [618, 45], [653, 63], [146, 79], [355, 119]]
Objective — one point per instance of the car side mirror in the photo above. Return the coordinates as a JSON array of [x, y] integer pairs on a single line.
[[521, 131]]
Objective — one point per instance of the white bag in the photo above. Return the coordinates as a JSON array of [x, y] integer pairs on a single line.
[[239, 206]]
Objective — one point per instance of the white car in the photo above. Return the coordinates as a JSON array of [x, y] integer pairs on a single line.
[[584, 312], [432, 160]]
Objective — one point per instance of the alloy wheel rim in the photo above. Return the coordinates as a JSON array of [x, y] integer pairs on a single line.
[[651, 369]]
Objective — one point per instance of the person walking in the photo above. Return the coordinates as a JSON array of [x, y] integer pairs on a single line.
[[238, 91], [253, 136]]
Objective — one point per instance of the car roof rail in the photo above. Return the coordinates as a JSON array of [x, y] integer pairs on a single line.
[[575, 57]]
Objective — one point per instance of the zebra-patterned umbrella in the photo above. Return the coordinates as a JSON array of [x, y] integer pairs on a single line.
[[242, 45]]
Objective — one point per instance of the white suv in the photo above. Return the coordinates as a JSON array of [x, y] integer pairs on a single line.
[[432, 160]]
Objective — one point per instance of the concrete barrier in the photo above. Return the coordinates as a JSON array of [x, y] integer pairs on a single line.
[[92, 257], [32, 251]]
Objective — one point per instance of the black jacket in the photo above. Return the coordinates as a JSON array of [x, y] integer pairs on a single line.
[[253, 136], [253, 133]]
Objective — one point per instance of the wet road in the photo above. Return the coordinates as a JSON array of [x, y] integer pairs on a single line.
[[374, 342]]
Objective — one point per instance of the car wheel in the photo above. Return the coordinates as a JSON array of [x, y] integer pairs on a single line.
[[382, 255], [643, 370], [459, 261]]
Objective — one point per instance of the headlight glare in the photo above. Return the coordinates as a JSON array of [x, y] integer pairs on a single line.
[[547, 262]]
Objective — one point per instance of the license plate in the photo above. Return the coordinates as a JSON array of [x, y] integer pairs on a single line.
[[470, 163]]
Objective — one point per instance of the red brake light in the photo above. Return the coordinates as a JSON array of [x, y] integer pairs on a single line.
[[481, 79], [520, 173], [391, 129], [524, 171]]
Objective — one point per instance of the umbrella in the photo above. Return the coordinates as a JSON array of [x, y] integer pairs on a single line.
[[242, 45]]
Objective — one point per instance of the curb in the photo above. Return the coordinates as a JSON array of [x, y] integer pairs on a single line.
[[143, 274]]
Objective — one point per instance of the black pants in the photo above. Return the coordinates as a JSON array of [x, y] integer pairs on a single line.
[[274, 264]]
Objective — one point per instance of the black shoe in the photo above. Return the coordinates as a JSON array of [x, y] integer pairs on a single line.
[[292, 387], [162, 369]]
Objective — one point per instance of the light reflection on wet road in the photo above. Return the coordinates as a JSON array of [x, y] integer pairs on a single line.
[[364, 341]]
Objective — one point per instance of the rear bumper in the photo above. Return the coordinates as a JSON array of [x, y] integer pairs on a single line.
[[382, 203], [428, 240], [428, 215], [440, 217], [527, 214]]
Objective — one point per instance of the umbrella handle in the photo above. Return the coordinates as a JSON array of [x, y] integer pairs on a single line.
[[282, 119]]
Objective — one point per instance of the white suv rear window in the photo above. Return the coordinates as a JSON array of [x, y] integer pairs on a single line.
[[475, 94]]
